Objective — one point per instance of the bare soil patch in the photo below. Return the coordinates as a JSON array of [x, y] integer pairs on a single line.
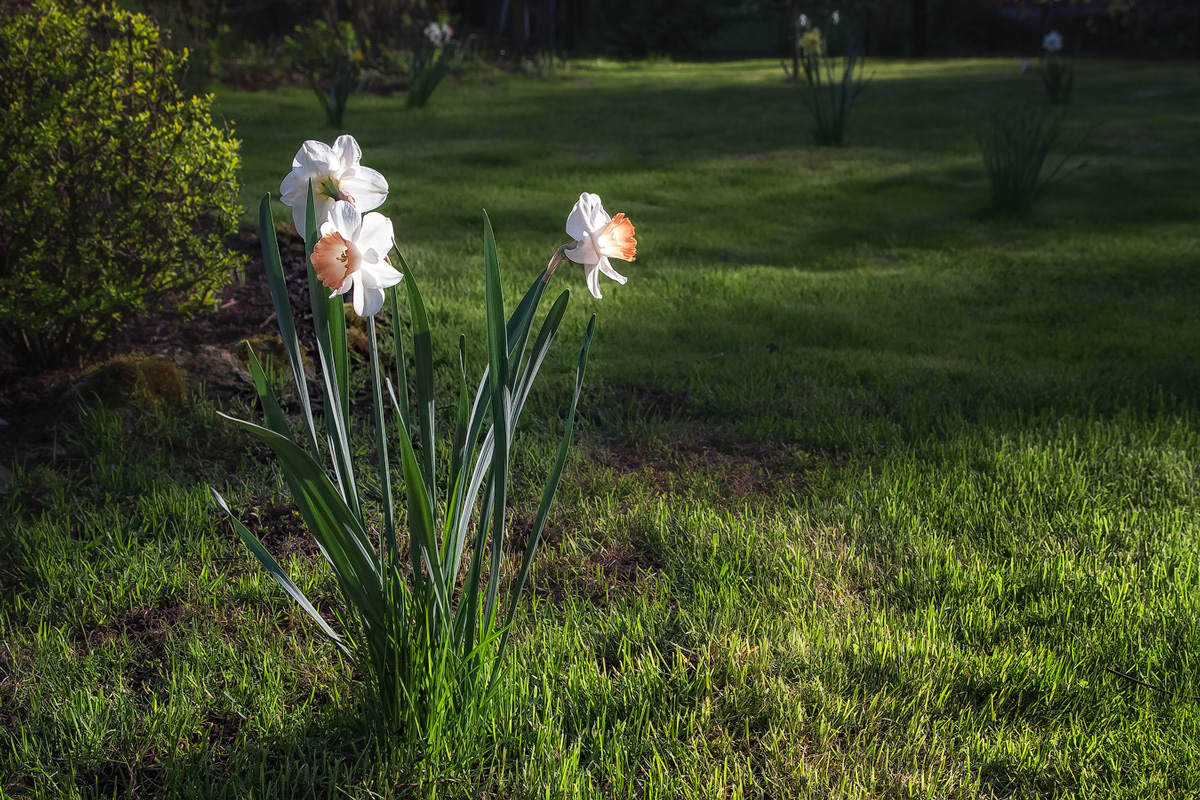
[[713, 466], [615, 570], [36, 405]]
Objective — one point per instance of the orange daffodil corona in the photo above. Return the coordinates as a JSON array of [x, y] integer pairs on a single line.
[[351, 255], [598, 237]]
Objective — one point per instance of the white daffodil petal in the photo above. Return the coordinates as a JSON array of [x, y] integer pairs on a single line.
[[317, 157], [593, 282], [607, 268], [594, 212], [294, 188], [385, 275], [376, 234], [372, 302], [357, 296], [347, 150], [346, 220], [583, 252], [367, 186], [577, 221]]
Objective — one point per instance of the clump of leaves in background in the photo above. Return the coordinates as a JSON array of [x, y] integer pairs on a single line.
[[435, 56], [830, 87], [1058, 73], [1015, 148], [331, 58], [118, 190]]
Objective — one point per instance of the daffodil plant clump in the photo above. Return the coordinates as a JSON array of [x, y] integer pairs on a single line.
[[1058, 73], [831, 84], [331, 58], [118, 189], [428, 642], [436, 54]]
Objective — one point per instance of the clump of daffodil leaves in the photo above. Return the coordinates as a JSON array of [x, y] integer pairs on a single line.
[[430, 658]]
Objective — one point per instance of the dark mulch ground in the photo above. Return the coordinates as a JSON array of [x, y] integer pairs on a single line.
[[35, 404]]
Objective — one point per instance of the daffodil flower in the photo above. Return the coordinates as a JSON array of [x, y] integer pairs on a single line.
[[351, 255], [335, 175], [598, 237], [438, 33], [1053, 42], [811, 42]]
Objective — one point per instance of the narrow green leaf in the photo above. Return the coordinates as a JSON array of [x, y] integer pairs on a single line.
[[276, 571], [385, 473], [401, 370], [423, 362], [414, 550], [458, 457], [422, 531], [337, 530], [341, 351], [498, 367], [552, 482], [283, 311], [335, 419], [272, 414]]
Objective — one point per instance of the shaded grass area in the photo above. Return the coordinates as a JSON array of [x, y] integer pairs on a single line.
[[872, 489]]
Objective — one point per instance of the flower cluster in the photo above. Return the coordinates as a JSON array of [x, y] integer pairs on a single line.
[[351, 255], [438, 33]]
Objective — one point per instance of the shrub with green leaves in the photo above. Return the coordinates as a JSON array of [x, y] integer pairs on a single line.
[[118, 189]]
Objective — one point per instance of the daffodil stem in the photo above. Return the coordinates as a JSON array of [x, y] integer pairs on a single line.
[[555, 260]]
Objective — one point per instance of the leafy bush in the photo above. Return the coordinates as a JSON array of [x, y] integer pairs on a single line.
[[1015, 149], [118, 190]]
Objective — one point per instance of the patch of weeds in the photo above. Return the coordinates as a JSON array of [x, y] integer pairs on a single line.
[[617, 569], [706, 467]]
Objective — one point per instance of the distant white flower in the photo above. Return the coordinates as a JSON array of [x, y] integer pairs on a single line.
[[336, 175], [1053, 42], [802, 21], [837, 17], [438, 33], [598, 237], [1024, 65], [352, 255]]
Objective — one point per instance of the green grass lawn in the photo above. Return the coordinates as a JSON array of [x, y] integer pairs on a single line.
[[871, 489]]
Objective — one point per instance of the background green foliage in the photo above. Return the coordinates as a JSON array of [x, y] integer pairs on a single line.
[[118, 189]]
